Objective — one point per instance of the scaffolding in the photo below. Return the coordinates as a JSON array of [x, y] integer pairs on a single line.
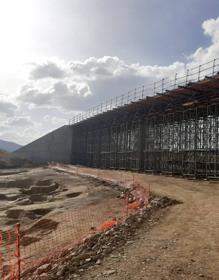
[[173, 132]]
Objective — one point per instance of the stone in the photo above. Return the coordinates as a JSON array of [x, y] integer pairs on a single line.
[[113, 256], [98, 262], [43, 276], [43, 268], [60, 271], [109, 272]]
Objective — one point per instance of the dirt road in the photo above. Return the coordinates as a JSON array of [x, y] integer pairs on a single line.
[[183, 245]]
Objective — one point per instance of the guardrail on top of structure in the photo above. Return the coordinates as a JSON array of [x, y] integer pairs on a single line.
[[162, 86]]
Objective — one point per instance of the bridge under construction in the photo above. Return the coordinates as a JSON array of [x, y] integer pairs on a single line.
[[173, 131], [169, 127]]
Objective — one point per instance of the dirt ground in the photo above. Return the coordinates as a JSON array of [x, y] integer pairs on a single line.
[[26, 195], [54, 208], [184, 244]]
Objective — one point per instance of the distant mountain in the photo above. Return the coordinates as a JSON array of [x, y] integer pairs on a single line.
[[8, 146]]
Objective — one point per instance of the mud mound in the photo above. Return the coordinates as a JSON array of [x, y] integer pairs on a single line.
[[41, 212], [31, 215], [14, 198], [15, 213], [9, 197], [18, 214], [38, 198], [24, 201], [41, 189], [3, 197], [43, 225], [23, 183], [74, 194], [11, 172], [27, 240], [12, 222], [45, 182]]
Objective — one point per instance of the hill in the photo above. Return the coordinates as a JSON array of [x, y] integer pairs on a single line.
[[9, 146], [8, 160]]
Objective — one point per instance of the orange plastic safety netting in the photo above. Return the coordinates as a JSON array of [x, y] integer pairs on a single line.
[[25, 248], [10, 253]]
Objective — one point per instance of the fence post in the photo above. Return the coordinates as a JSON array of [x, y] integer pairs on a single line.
[[18, 250], [1, 257]]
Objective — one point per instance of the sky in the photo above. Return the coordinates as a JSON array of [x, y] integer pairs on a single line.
[[61, 57]]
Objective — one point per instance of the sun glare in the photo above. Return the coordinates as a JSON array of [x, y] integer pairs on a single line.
[[16, 17]]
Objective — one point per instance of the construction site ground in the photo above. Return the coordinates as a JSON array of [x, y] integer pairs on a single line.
[[30, 194], [55, 210], [183, 244]]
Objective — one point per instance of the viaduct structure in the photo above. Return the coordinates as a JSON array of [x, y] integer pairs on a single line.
[[169, 127]]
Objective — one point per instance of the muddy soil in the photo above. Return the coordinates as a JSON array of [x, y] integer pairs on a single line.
[[30, 194], [183, 245]]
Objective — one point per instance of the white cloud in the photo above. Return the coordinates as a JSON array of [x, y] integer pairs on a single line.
[[91, 82], [20, 128], [211, 28], [203, 55], [105, 67], [20, 122], [58, 89], [55, 121], [7, 108], [64, 95], [47, 69], [32, 95]]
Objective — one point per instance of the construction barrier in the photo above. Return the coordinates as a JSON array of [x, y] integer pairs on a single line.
[[10, 262], [49, 237], [26, 247]]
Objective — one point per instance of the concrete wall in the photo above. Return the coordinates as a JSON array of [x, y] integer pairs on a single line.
[[55, 146]]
